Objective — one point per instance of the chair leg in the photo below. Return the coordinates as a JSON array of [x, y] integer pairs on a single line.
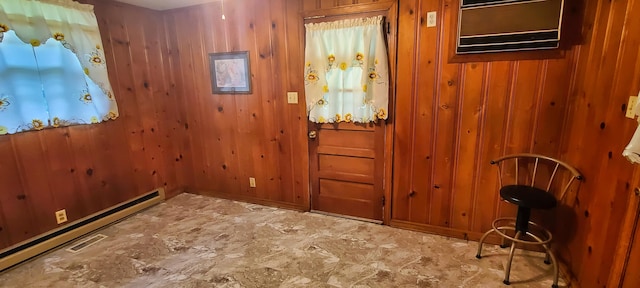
[[507, 269], [555, 267], [547, 257], [503, 244], [478, 254], [552, 257]]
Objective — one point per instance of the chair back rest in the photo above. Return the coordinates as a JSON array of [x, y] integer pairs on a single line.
[[525, 169]]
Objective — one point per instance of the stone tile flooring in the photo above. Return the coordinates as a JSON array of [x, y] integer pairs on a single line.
[[197, 241]]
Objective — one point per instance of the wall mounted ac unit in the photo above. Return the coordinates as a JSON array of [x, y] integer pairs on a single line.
[[503, 25]]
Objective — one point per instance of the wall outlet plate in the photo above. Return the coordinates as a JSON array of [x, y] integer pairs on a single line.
[[252, 182], [61, 216], [292, 97], [431, 19], [631, 106]]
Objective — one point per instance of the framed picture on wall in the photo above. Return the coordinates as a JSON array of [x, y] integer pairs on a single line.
[[230, 72]]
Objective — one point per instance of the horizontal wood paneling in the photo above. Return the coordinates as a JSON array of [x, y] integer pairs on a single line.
[[87, 168]]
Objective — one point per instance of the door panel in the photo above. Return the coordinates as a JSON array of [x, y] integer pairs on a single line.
[[348, 138], [346, 164], [346, 168], [347, 198]]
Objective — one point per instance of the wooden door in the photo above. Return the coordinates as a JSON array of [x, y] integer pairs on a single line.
[[347, 160], [347, 169]]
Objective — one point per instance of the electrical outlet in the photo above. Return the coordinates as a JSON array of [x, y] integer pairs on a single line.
[[61, 216], [431, 19], [252, 182], [631, 106], [292, 97]]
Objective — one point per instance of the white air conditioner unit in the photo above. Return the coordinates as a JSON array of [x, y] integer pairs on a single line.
[[503, 25]]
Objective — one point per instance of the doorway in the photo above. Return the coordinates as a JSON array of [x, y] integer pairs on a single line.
[[347, 160]]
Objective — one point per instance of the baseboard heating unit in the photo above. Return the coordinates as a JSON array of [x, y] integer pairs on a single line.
[[35, 246]]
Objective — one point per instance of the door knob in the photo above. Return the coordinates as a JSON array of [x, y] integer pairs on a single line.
[[313, 134]]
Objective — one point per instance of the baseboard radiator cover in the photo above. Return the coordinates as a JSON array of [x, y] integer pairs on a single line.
[[23, 251]]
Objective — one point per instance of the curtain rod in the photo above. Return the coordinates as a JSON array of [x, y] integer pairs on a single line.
[[314, 17]]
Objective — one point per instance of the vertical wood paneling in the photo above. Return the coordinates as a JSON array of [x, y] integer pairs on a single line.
[[450, 120], [403, 190], [178, 127], [470, 114], [130, 87], [266, 46], [281, 178], [296, 120], [86, 168], [571, 108], [16, 209], [425, 124], [453, 118], [491, 146], [28, 151], [607, 74], [235, 137]]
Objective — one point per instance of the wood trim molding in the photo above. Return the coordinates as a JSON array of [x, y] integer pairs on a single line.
[[627, 233], [249, 199], [443, 231], [392, 39], [350, 9], [42, 243]]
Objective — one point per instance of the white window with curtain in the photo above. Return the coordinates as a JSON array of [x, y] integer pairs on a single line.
[[52, 66], [346, 71]]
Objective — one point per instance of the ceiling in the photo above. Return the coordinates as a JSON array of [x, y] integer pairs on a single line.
[[165, 4]]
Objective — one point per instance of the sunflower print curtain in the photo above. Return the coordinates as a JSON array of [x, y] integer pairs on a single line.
[[68, 24], [346, 71]]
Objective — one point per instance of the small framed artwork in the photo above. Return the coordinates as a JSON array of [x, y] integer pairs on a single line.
[[230, 72]]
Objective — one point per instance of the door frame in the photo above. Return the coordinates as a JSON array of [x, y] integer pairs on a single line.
[[627, 234], [391, 8]]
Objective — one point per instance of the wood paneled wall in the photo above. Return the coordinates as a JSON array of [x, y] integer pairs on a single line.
[[607, 73], [453, 118], [87, 168], [229, 137], [450, 120]]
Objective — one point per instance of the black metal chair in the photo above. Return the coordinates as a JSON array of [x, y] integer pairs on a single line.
[[541, 174]]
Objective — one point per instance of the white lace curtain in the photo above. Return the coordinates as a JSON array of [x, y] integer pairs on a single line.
[[346, 71], [44, 25]]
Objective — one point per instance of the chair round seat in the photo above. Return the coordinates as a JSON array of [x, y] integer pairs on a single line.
[[528, 197]]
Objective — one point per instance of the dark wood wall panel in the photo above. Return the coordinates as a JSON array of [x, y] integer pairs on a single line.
[[87, 168], [234, 137], [607, 73]]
